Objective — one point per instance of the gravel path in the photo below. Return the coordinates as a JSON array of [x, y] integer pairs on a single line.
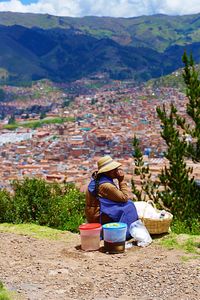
[[50, 270]]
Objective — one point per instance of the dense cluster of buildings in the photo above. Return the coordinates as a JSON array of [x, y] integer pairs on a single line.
[[105, 123]]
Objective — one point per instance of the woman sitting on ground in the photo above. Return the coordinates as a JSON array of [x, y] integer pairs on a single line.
[[105, 201]]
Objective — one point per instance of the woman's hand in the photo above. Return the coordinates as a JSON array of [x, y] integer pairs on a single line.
[[120, 175]]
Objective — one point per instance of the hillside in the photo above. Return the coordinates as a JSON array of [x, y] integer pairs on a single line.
[[35, 46], [175, 80], [57, 269], [157, 32]]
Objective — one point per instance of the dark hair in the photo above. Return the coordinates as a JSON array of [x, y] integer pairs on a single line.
[[96, 178]]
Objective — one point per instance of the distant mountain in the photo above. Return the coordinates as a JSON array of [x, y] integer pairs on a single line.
[[157, 32], [35, 46]]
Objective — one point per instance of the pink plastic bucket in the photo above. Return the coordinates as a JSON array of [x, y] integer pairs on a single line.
[[90, 236]]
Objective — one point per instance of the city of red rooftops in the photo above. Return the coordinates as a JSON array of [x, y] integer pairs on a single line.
[[95, 117]]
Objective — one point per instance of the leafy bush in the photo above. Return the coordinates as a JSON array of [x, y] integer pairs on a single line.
[[67, 212], [37, 201], [6, 206], [31, 200], [183, 227]]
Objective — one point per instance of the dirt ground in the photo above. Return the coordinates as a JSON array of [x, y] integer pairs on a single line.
[[49, 270]]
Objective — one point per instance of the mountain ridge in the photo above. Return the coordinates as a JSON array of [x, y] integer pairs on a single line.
[[66, 48], [135, 31]]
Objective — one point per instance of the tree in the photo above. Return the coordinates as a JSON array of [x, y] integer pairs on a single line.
[[27, 116], [151, 188], [42, 115], [2, 95], [175, 187], [12, 120], [191, 79], [181, 192]]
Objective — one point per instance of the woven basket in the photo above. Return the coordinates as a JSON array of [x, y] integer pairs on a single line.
[[157, 226]]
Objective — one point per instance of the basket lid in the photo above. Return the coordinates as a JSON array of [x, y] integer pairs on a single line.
[[89, 226], [114, 226]]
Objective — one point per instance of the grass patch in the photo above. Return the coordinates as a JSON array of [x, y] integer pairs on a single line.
[[187, 243], [128, 100], [36, 231], [4, 294], [38, 123], [169, 242], [99, 33], [188, 258], [143, 97], [95, 85], [11, 126]]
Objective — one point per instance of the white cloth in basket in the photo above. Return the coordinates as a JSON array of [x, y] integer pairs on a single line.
[[146, 210]]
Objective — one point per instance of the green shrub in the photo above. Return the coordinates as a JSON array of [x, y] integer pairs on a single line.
[[37, 201], [31, 200], [183, 227], [6, 207], [52, 204], [71, 211]]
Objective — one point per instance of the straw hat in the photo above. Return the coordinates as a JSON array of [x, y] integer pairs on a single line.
[[106, 164]]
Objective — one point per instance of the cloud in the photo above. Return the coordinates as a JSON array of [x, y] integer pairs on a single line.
[[114, 8], [53, 7]]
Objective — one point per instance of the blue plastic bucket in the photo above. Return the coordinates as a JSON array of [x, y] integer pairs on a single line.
[[114, 235]]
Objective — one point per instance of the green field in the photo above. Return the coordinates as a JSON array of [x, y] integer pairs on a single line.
[[38, 123]]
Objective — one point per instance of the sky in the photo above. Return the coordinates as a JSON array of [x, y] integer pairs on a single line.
[[113, 8]]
